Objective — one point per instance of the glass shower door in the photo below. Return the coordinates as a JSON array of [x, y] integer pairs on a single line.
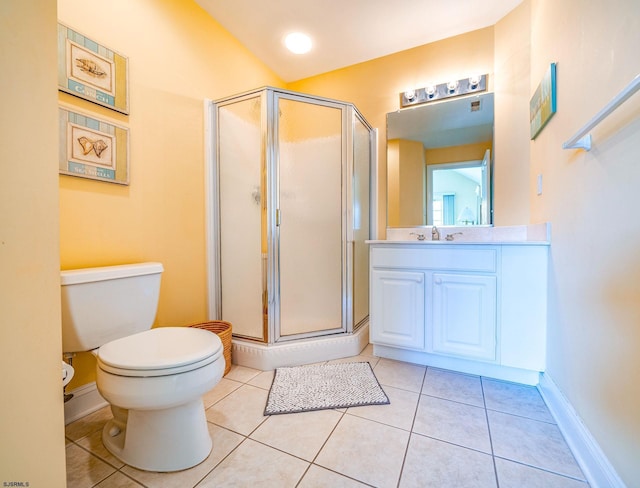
[[361, 219], [309, 217], [242, 214]]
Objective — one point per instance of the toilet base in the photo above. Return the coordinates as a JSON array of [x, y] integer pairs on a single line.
[[164, 440]]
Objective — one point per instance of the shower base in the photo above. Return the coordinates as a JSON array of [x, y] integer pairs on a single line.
[[295, 353]]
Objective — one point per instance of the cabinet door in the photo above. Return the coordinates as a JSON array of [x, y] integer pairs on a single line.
[[464, 315], [397, 308]]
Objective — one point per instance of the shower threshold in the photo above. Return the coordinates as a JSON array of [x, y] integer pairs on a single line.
[[267, 357]]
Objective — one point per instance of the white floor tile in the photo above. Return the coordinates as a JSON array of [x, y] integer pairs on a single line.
[[254, 464], [241, 373], [118, 480], [317, 477], [218, 392], [514, 475], [88, 425], [357, 359], [516, 399], [300, 434], [93, 443], [241, 411], [457, 423], [263, 380], [458, 387], [366, 451], [400, 375], [399, 413], [435, 464], [368, 351], [531, 442], [84, 469]]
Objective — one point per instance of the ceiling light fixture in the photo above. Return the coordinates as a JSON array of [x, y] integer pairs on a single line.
[[298, 43]]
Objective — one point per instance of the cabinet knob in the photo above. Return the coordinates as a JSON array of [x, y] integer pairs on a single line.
[[438, 281]]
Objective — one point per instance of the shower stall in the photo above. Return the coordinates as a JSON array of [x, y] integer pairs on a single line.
[[289, 205]]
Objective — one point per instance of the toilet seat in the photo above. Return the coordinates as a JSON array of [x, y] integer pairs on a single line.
[[160, 352]]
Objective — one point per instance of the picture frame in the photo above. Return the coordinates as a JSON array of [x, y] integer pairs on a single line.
[[543, 104], [91, 71], [90, 147]]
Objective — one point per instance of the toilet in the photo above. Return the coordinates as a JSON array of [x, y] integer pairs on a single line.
[[153, 379]]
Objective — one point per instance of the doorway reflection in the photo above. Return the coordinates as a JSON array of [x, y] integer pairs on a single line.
[[457, 193]]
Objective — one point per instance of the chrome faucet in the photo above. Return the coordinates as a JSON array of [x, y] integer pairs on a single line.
[[419, 236], [450, 237], [435, 234]]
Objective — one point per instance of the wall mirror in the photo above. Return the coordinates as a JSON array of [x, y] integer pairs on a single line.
[[439, 161]]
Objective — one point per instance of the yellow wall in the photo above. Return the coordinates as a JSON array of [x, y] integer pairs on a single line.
[[31, 415], [374, 86], [590, 198], [511, 179], [454, 154], [178, 56]]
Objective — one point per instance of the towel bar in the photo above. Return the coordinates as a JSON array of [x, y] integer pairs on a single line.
[[582, 138]]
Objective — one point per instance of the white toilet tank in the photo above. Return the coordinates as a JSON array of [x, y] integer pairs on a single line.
[[100, 305]]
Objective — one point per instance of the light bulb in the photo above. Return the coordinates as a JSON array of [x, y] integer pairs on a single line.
[[451, 86], [410, 94], [298, 43]]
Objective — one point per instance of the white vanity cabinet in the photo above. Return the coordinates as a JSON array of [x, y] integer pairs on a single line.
[[477, 308], [399, 307], [464, 315]]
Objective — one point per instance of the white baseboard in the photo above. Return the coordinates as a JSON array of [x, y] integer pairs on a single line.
[[86, 400], [505, 373], [594, 464]]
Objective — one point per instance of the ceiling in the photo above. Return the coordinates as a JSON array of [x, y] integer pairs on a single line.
[[346, 32]]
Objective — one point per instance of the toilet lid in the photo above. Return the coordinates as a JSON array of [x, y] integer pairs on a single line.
[[160, 349]]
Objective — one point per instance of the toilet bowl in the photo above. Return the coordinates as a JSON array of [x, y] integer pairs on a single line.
[[67, 373], [154, 381]]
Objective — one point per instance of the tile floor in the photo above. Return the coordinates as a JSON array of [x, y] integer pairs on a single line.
[[442, 429]]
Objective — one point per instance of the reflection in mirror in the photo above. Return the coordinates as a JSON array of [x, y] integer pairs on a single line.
[[439, 163]]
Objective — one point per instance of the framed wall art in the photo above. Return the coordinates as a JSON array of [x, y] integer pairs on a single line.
[[93, 148], [91, 71], [543, 103]]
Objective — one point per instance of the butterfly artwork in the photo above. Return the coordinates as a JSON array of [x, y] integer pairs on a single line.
[[92, 147]]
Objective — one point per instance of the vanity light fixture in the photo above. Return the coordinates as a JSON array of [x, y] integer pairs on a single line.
[[453, 88], [298, 43]]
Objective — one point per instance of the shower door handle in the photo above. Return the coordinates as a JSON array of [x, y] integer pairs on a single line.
[[277, 217]]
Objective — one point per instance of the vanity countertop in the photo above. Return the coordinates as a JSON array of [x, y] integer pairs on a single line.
[[514, 235], [458, 242]]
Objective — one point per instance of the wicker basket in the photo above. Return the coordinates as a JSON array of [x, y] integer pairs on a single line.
[[223, 331]]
